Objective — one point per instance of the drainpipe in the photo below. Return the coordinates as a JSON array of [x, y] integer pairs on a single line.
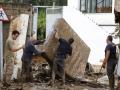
[[1, 51]]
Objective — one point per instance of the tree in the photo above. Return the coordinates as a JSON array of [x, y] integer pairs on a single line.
[[39, 2], [46, 2], [41, 24]]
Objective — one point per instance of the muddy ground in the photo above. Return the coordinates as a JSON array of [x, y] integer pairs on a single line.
[[45, 86], [42, 81]]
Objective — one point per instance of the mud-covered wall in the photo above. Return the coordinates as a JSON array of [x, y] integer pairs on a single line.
[[12, 10], [76, 63]]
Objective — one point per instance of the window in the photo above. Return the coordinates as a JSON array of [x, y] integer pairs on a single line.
[[96, 6]]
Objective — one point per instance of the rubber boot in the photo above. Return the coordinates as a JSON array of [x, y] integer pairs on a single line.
[[111, 83]]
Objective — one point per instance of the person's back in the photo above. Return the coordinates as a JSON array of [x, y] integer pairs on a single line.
[[30, 49], [112, 48], [27, 51], [64, 48]]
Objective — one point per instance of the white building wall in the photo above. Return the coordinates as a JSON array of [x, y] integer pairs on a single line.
[[35, 19], [93, 35], [74, 4], [51, 19], [87, 26], [103, 20]]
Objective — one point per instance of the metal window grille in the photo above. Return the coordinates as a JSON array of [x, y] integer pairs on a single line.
[[96, 6]]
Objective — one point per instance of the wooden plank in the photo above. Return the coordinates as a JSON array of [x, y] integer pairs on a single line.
[[75, 64]]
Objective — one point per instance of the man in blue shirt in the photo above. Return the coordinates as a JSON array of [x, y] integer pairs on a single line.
[[110, 60], [64, 49]]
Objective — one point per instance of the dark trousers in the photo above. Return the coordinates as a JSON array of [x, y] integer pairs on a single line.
[[26, 71], [58, 68], [110, 72]]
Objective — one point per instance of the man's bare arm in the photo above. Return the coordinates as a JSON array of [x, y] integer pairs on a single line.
[[106, 58], [13, 48], [16, 49]]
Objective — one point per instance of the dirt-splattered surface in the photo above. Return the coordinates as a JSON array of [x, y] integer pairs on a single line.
[[45, 86], [42, 79]]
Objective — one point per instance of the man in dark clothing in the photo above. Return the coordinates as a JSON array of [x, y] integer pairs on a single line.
[[28, 52], [63, 50], [111, 60]]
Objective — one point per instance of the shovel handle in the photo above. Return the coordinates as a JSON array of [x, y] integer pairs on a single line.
[[98, 73], [100, 69]]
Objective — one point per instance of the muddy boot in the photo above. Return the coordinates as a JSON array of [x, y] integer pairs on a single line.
[[111, 83], [23, 78], [63, 79]]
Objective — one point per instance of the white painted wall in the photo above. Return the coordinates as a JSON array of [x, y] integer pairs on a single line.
[[102, 18], [89, 32], [50, 21], [74, 4], [105, 20], [35, 18], [86, 26]]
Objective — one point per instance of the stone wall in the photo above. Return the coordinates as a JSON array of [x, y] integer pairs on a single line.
[[16, 9], [13, 10]]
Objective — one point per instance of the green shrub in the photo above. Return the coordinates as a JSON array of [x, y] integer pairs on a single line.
[[41, 24]]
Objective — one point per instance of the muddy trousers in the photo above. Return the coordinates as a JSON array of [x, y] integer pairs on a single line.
[[16, 71], [111, 82], [110, 72], [8, 69], [26, 71], [58, 69]]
